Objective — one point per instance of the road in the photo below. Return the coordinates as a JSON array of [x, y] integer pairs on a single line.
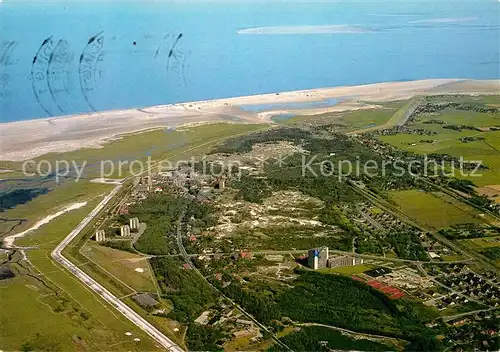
[[409, 112], [400, 118], [350, 331], [128, 312], [456, 316], [300, 251], [187, 258]]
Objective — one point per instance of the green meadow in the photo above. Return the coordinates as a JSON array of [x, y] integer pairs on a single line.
[[433, 209], [78, 319], [447, 141], [85, 318]]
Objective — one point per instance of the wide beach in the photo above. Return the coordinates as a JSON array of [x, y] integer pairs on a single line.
[[23, 140]]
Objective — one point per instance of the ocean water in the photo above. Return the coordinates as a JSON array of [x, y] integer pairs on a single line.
[[93, 56], [290, 105]]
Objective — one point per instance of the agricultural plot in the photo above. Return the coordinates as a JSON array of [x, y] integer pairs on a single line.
[[432, 210], [477, 140], [482, 243], [371, 118]]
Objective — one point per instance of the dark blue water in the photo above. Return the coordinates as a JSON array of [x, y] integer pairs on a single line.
[[157, 53]]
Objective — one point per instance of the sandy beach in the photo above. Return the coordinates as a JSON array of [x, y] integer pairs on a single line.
[[23, 140]]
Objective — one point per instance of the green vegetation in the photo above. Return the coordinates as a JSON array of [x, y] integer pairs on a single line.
[[318, 338], [351, 121], [19, 196], [477, 138], [468, 231], [190, 295], [330, 300], [204, 338], [106, 328], [430, 209], [67, 316], [408, 246], [366, 119], [158, 145], [122, 245], [347, 270], [188, 292], [122, 266], [492, 253], [160, 213]]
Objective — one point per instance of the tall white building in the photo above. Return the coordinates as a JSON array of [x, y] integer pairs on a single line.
[[100, 236], [317, 258], [125, 231], [134, 223]]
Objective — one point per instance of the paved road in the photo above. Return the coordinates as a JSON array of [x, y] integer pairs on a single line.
[[456, 316], [300, 251], [128, 312], [409, 112], [349, 331], [187, 258]]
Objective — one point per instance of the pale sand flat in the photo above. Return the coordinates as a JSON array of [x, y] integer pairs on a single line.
[[23, 140]]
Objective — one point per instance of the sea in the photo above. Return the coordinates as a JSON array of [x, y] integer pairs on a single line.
[[61, 58]]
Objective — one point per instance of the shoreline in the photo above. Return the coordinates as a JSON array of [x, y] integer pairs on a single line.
[[23, 140]]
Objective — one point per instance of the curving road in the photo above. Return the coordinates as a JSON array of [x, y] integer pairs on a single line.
[[128, 312]]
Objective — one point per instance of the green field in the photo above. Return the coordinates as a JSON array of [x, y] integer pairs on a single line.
[[349, 121], [122, 265], [157, 145], [482, 243], [447, 141], [108, 327], [103, 328], [489, 247], [432, 210]]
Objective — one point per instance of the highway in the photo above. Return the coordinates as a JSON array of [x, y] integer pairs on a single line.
[[128, 312]]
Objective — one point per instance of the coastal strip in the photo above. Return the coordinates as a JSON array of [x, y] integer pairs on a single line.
[[23, 140]]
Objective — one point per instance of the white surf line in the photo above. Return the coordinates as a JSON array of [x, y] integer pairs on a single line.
[[8, 242], [128, 312]]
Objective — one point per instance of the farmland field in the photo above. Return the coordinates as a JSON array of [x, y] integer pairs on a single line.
[[485, 146], [430, 209]]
